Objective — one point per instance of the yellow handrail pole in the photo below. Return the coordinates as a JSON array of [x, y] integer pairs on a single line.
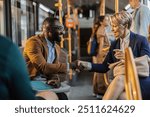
[[102, 7], [69, 31], [77, 30], [79, 49], [116, 6], [132, 85], [60, 20], [69, 39]]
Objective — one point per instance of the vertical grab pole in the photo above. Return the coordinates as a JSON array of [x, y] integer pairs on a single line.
[[60, 20], [69, 39], [77, 31], [69, 31], [102, 7], [116, 6]]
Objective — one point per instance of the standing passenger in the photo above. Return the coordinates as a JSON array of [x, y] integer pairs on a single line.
[[99, 85], [141, 18]]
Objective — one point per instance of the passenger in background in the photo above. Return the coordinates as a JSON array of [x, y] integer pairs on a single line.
[[141, 17], [99, 84], [14, 80], [149, 35], [42, 53], [121, 23]]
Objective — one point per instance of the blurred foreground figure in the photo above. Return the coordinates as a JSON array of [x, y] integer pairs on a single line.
[[14, 80], [141, 17]]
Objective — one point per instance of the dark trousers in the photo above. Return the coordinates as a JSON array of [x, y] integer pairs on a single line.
[[62, 96]]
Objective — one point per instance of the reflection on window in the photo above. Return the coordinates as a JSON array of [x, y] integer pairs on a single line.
[[22, 21], [1, 18], [42, 15], [148, 3]]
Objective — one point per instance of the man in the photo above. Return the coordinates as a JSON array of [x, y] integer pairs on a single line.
[[141, 17], [42, 54]]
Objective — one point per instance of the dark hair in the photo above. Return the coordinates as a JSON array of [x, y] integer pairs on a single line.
[[49, 20], [101, 19]]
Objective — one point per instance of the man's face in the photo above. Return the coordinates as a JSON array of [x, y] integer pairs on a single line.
[[47, 31], [53, 32], [57, 31]]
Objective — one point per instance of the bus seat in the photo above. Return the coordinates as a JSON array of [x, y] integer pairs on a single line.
[[132, 86]]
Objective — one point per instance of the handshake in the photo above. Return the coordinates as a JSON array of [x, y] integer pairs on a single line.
[[80, 65]]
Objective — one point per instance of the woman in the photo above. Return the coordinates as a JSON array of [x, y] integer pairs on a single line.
[[121, 23], [99, 85]]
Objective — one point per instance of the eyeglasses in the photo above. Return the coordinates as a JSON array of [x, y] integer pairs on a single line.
[[58, 27]]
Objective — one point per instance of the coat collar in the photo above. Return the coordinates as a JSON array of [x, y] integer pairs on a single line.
[[131, 43], [132, 40]]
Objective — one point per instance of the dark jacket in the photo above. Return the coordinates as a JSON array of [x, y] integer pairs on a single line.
[[140, 47]]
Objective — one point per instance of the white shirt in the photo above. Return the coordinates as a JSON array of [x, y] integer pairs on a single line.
[[124, 43], [51, 52]]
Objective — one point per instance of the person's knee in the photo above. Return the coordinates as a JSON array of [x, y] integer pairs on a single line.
[[47, 95], [119, 81]]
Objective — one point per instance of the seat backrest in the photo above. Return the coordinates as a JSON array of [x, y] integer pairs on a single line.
[[63, 59], [132, 86]]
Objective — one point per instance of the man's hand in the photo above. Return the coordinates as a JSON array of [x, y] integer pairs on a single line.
[[73, 65], [119, 54], [83, 65]]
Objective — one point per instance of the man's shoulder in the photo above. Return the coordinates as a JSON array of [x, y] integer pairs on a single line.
[[35, 38], [144, 8]]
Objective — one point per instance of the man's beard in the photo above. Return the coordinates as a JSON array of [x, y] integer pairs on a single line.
[[56, 37]]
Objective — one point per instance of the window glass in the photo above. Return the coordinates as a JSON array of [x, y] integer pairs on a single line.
[[148, 1], [42, 15], [22, 21], [16, 21], [2, 17]]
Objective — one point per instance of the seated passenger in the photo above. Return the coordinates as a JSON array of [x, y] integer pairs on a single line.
[[42, 53], [14, 80], [121, 23]]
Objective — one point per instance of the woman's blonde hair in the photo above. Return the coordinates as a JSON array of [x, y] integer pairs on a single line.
[[122, 18]]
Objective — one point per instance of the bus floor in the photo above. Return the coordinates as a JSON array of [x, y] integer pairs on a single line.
[[81, 87]]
